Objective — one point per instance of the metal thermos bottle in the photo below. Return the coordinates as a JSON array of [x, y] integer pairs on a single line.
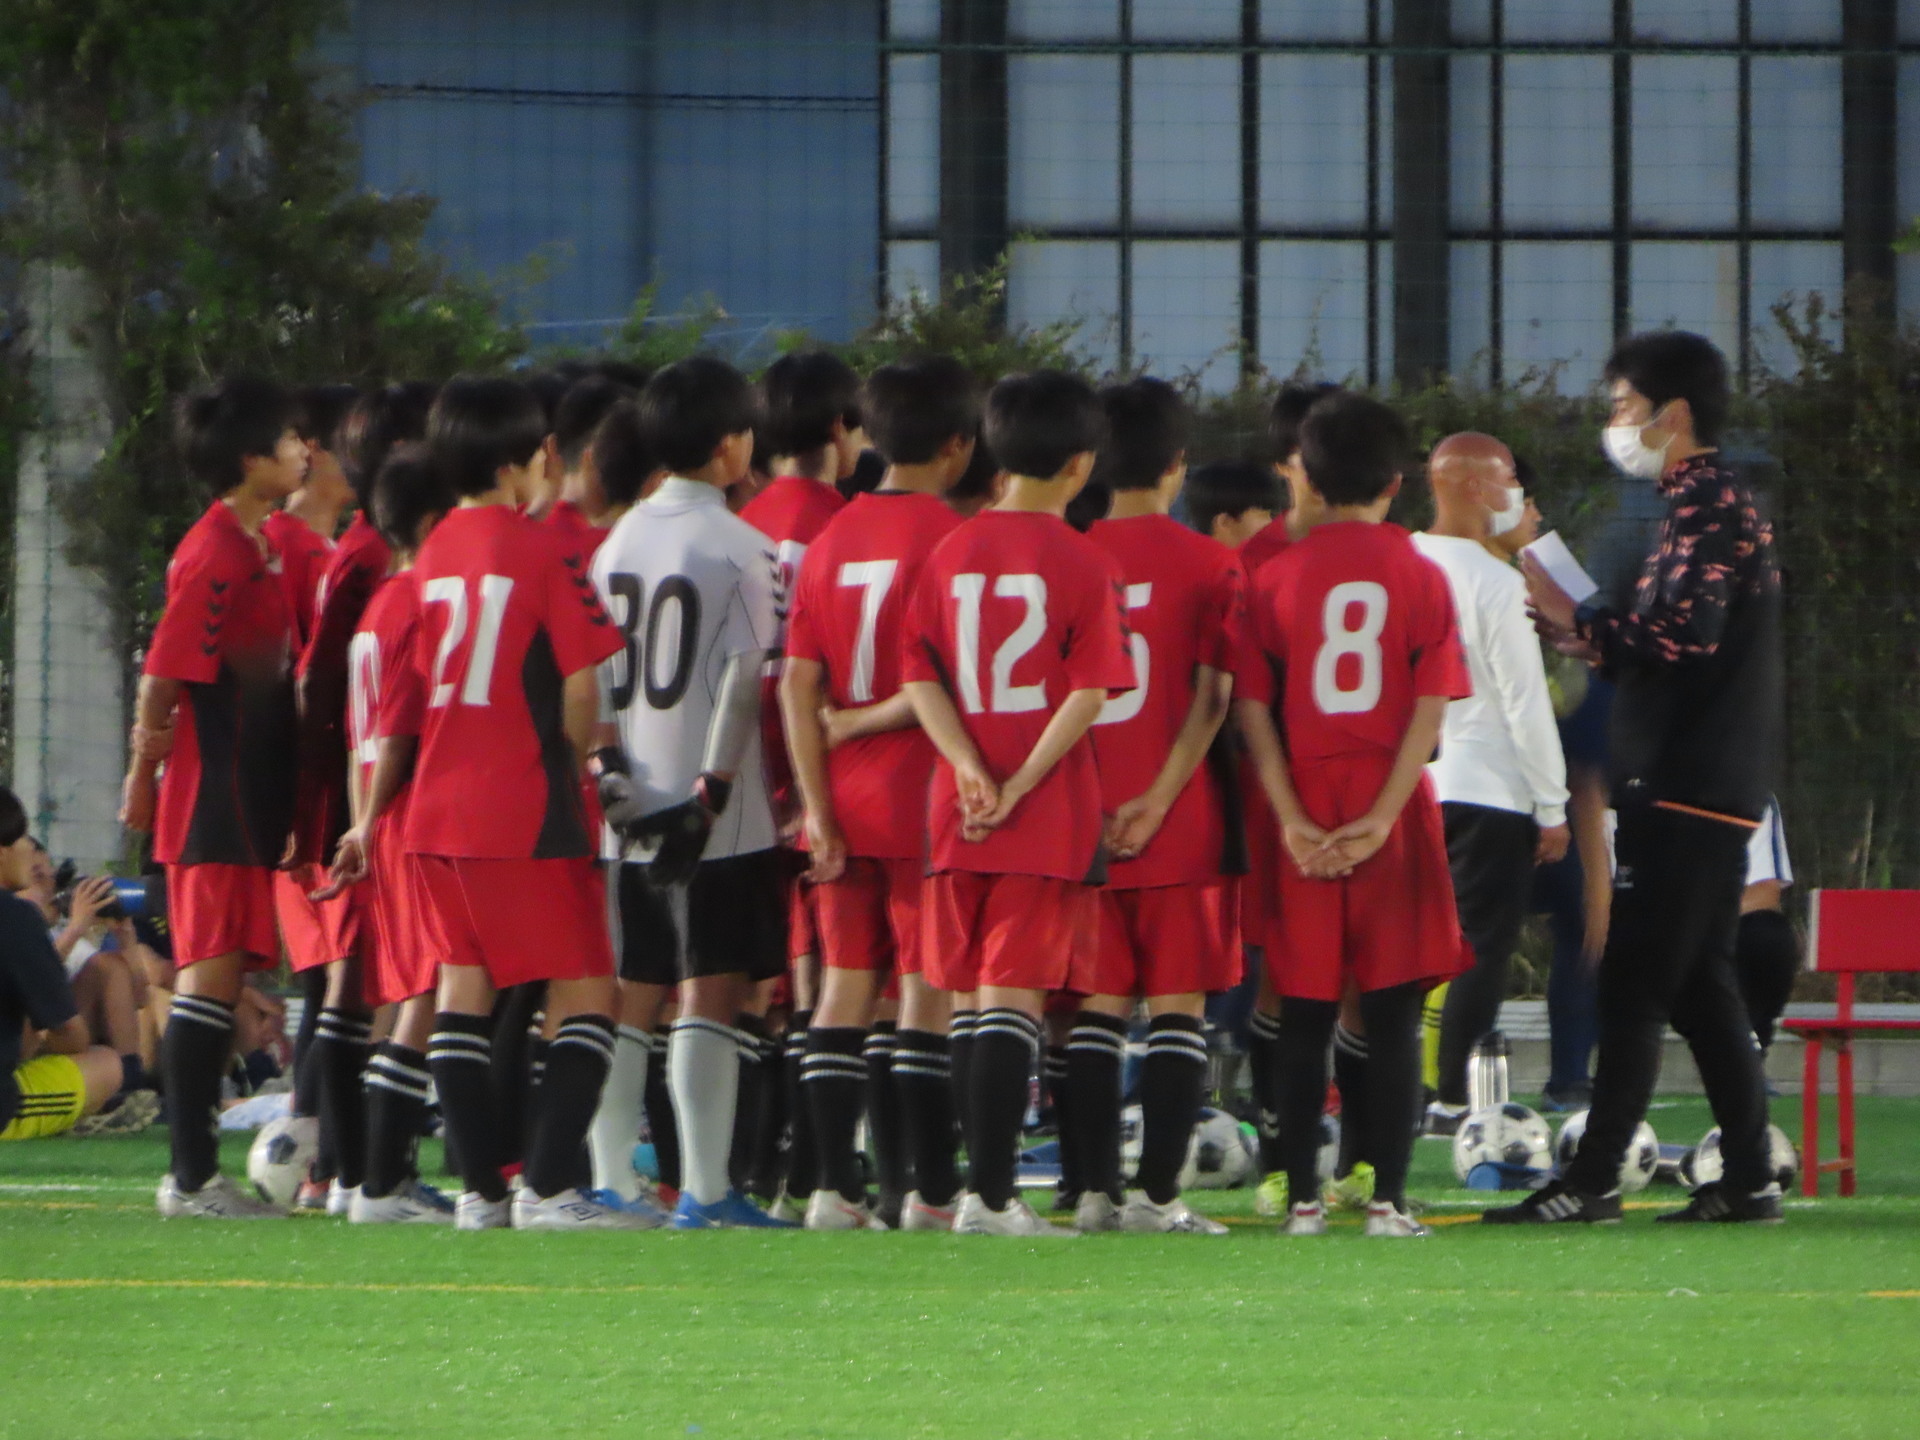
[[1487, 1071]]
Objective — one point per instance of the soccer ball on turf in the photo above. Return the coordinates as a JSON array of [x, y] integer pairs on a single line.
[[1221, 1155], [1509, 1134], [1328, 1158], [281, 1154], [1704, 1164], [1636, 1170]]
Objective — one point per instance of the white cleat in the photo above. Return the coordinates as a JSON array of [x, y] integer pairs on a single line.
[[1384, 1222], [1096, 1213], [340, 1199], [830, 1210], [572, 1210], [1142, 1217], [917, 1214], [414, 1203], [1307, 1218], [218, 1199], [790, 1208], [975, 1217], [473, 1211]]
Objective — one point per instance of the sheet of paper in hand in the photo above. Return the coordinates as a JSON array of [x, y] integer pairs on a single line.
[[1553, 556]]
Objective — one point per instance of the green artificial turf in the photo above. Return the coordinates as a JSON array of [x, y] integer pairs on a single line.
[[113, 1323]]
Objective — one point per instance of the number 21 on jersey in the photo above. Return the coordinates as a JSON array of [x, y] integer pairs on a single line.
[[476, 685], [1358, 644]]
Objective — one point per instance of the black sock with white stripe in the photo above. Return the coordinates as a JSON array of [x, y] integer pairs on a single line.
[[1350, 1078], [769, 1168], [1095, 1050], [460, 1056], [396, 1086], [749, 1033], [1053, 1069], [1172, 1083], [960, 1052], [663, 1127], [193, 1057], [1263, 1042], [577, 1064], [834, 1076], [803, 1155], [923, 1079], [341, 1043], [1004, 1044], [883, 1113]]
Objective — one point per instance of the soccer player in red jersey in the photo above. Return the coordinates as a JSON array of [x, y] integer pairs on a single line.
[[1359, 653], [863, 766], [1169, 918], [585, 511], [303, 530], [510, 638], [1014, 641], [216, 706]]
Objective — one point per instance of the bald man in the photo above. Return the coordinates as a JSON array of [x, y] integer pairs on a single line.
[[1501, 778]]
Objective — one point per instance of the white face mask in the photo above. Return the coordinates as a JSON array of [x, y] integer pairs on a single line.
[[1627, 450], [1508, 516]]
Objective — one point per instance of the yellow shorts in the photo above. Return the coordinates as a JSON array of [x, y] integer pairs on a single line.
[[53, 1096]]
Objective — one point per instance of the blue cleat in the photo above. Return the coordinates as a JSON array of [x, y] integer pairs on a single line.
[[641, 1208], [732, 1211]]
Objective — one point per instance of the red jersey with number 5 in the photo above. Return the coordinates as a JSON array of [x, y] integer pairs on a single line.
[[507, 612], [1185, 606], [1349, 626], [849, 609], [1013, 611]]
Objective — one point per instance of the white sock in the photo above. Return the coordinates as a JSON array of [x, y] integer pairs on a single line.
[[703, 1071], [616, 1124]]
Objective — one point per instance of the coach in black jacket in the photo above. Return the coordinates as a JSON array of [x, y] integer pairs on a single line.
[[1696, 741]]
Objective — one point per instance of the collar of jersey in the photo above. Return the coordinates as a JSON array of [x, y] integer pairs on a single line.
[[677, 491]]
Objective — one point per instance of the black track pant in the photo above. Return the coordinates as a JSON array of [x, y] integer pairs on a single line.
[[1490, 853]]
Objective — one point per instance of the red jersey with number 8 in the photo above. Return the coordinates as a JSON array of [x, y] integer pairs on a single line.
[[507, 612], [1014, 611]]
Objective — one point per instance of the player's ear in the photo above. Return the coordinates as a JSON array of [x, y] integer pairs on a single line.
[[1392, 490]]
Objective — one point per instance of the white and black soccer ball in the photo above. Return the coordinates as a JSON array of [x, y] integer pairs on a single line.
[[1509, 1134], [1704, 1164], [1328, 1159], [280, 1156], [1636, 1169], [1132, 1137], [1221, 1155]]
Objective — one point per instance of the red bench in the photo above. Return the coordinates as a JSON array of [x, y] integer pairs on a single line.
[[1855, 932]]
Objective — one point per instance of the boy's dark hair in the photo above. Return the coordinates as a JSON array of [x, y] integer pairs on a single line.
[[1231, 488], [976, 481], [1526, 476], [549, 387], [1146, 432], [624, 372], [220, 427], [320, 411], [868, 471], [13, 817], [1669, 365], [1289, 408], [802, 396], [913, 407], [621, 455], [408, 488], [1352, 447], [584, 406], [688, 408], [378, 421], [481, 423], [1038, 421]]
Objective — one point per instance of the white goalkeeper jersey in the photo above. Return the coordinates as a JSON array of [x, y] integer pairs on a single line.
[[691, 585]]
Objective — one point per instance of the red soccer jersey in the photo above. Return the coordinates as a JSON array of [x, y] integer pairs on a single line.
[[304, 553], [1013, 611], [1185, 607], [848, 612], [387, 698], [1352, 624], [226, 796], [570, 522], [1264, 545], [506, 614]]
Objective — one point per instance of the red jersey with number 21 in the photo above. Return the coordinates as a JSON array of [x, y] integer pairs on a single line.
[[1015, 610], [1353, 625], [507, 612]]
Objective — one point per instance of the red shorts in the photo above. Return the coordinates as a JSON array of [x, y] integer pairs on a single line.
[[520, 920], [803, 936], [315, 932], [870, 917], [1391, 922], [1164, 940], [215, 910], [1020, 932], [408, 948]]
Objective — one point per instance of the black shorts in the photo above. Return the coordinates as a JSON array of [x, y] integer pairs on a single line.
[[735, 913]]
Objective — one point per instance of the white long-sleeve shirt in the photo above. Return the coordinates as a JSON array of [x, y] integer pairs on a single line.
[[1500, 746]]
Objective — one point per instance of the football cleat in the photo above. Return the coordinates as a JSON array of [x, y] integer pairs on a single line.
[[1307, 1218], [1142, 1217], [1386, 1221], [340, 1199], [1715, 1204], [1096, 1213], [1065, 1201], [413, 1203], [917, 1214], [312, 1195], [1443, 1119], [1352, 1191], [790, 1208], [473, 1211], [640, 1206], [1558, 1203], [1270, 1199], [137, 1110], [732, 1211], [572, 1209], [218, 1199], [830, 1210], [976, 1217]]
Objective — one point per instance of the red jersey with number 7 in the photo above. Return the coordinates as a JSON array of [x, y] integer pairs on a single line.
[[507, 612], [1349, 626], [1013, 611], [848, 613]]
